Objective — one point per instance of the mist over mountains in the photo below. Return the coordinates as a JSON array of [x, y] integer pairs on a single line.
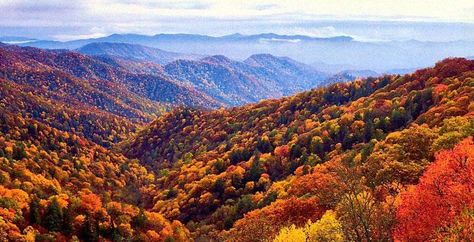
[[379, 56]]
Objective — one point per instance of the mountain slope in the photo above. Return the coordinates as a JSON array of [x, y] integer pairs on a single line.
[[59, 113], [134, 52], [135, 84], [58, 184], [236, 83], [96, 83], [244, 173], [231, 82]]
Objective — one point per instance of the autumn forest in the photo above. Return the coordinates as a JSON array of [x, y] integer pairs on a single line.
[[101, 148]]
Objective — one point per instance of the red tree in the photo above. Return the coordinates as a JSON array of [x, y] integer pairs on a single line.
[[445, 189]]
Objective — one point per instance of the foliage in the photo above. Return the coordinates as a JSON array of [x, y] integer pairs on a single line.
[[291, 234], [443, 192], [328, 228], [338, 155]]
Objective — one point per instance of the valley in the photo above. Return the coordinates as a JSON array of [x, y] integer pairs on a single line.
[[107, 146]]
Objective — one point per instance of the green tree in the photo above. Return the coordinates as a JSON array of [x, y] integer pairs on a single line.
[[255, 170], [35, 217], [53, 218], [90, 230], [140, 220]]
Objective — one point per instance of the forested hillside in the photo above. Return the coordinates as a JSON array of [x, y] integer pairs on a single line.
[[356, 161], [376, 159], [58, 186], [58, 179], [237, 83], [60, 113], [229, 82], [82, 80]]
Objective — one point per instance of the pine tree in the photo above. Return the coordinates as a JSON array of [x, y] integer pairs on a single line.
[[140, 220], [255, 170], [90, 230], [53, 218], [35, 217], [295, 151], [19, 151], [67, 221]]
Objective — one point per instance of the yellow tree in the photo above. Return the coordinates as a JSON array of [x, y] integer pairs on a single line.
[[327, 229], [291, 234]]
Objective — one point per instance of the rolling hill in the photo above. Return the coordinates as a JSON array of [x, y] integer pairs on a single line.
[[209, 82], [242, 174], [67, 73], [59, 114]]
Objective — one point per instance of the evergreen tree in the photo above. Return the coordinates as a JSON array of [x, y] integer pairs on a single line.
[[255, 170], [67, 221], [53, 218], [90, 230], [35, 217], [219, 186], [140, 220], [369, 130], [397, 118], [19, 151], [264, 145], [295, 151]]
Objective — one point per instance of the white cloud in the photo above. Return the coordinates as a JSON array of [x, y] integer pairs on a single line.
[[218, 16], [94, 32]]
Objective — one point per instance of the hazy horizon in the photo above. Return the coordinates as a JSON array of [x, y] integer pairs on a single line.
[[382, 30], [366, 20]]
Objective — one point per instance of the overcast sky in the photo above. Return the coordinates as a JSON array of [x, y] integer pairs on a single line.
[[387, 19]]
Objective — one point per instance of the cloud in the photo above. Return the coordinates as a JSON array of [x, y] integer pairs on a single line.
[[266, 40], [268, 6], [65, 19], [92, 33], [326, 31]]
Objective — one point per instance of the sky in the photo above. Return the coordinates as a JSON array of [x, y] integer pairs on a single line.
[[429, 20]]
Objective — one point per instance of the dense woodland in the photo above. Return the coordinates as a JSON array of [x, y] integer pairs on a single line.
[[351, 154], [378, 159]]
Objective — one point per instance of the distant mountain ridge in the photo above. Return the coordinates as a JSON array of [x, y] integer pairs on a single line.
[[153, 39], [134, 52], [15, 39], [342, 52], [231, 82]]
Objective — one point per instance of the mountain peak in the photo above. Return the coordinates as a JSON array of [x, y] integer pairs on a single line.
[[264, 58], [217, 59]]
